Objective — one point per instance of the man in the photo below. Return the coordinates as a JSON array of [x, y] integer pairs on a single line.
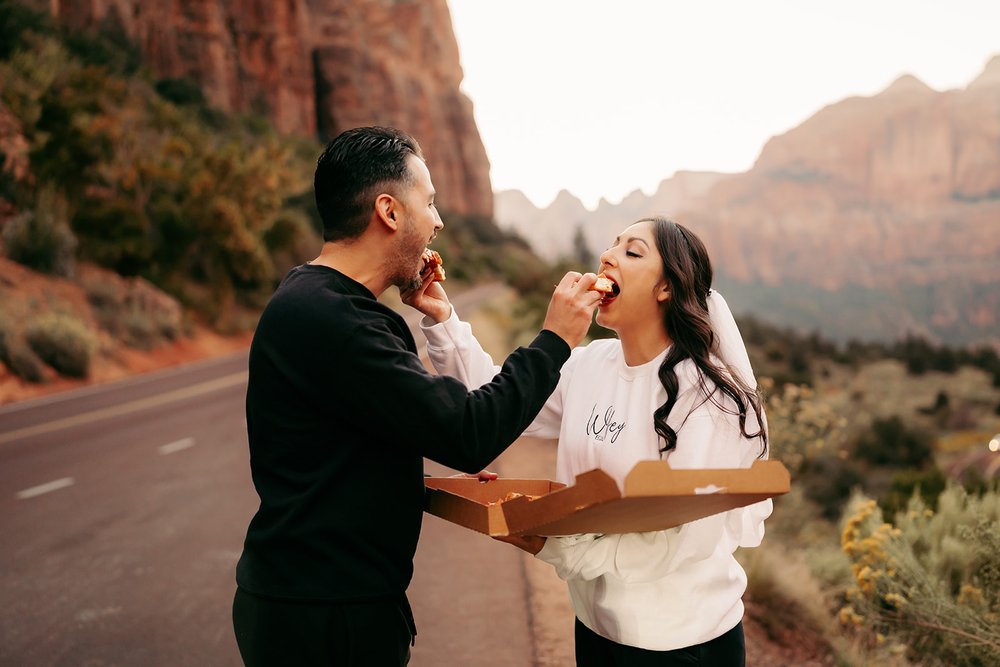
[[341, 412]]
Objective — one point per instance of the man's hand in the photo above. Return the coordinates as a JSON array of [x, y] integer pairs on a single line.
[[429, 298], [530, 543], [572, 307]]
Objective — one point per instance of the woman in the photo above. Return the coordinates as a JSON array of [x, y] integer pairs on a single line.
[[675, 384]]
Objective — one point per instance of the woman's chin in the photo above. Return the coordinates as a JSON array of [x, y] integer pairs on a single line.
[[604, 321]]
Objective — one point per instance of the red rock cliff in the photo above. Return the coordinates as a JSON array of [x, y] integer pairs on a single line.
[[318, 67]]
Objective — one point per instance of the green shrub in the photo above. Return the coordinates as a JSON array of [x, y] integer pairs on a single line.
[[145, 330], [63, 342], [905, 483], [9, 190], [829, 481], [182, 91], [22, 362], [801, 427], [105, 45], [132, 312], [18, 357], [17, 24], [891, 443], [114, 234], [41, 239]]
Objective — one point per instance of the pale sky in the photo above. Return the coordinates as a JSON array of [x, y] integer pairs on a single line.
[[601, 97]]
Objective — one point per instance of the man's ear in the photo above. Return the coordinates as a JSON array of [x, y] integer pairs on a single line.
[[387, 210]]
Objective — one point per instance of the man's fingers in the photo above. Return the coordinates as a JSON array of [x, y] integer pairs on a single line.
[[585, 282], [568, 280]]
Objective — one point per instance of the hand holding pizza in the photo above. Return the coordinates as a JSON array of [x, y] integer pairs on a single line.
[[429, 297], [572, 307]]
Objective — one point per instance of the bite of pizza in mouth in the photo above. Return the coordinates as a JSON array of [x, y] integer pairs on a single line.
[[606, 286]]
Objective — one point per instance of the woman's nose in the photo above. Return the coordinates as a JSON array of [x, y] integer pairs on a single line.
[[605, 258]]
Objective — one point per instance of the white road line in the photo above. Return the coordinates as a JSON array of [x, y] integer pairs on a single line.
[[126, 408], [54, 485], [177, 446]]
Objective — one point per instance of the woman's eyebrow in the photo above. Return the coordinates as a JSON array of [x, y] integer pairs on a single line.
[[636, 238]]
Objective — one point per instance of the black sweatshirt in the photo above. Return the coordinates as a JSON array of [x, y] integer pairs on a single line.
[[340, 413]]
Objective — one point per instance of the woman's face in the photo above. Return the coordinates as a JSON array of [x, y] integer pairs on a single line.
[[634, 264]]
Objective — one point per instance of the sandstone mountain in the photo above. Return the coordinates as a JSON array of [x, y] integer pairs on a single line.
[[551, 231], [317, 67], [875, 218]]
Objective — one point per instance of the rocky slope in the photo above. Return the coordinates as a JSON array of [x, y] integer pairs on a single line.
[[318, 67]]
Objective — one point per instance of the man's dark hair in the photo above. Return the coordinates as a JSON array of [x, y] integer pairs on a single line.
[[355, 167]]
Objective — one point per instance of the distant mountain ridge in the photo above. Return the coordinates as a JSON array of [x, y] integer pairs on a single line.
[[876, 217]]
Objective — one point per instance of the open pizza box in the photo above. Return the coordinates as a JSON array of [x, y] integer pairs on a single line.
[[656, 497]]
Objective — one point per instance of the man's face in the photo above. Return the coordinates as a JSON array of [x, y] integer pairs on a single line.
[[419, 223]]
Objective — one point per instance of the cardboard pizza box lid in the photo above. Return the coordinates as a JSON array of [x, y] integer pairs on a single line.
[[656, 497]]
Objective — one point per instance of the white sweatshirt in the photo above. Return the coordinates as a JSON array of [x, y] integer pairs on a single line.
[[658, 590]]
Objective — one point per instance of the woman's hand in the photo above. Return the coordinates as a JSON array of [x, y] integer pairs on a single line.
[[530, 543], [429, 297]]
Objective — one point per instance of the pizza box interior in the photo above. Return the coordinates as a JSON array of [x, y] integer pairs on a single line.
[[655, 497]]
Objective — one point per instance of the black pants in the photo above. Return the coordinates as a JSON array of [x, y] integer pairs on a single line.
[[593, 650], [274, 633]]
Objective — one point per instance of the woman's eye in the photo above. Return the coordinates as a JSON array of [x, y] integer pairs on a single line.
[[629, 253]]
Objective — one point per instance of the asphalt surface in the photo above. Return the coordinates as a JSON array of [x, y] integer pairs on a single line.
[[123, 509], [122, 513]]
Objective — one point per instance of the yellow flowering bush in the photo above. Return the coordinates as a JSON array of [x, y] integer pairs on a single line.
[[930, 580]]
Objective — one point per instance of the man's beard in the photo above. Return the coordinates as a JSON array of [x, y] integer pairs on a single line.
[[405, 260], [413, 283]]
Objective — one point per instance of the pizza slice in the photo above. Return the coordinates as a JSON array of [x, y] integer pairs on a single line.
[[432, 259], [605, 285]]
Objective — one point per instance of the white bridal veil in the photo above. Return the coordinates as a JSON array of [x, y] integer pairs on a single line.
[[730, 347]]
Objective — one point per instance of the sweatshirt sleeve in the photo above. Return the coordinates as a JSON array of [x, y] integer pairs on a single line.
[[454, 351], [708, 438], [438, 415]]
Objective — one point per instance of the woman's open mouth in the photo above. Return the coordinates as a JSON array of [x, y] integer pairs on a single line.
[[613, 294]]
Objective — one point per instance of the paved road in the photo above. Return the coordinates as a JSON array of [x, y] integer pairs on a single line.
[[121, 518], [122, 512]]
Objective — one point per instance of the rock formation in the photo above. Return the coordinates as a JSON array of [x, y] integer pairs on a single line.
[[318, 67], [874, 218], [551, 230]]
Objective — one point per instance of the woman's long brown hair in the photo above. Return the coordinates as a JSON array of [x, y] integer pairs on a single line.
[[687, 271]]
